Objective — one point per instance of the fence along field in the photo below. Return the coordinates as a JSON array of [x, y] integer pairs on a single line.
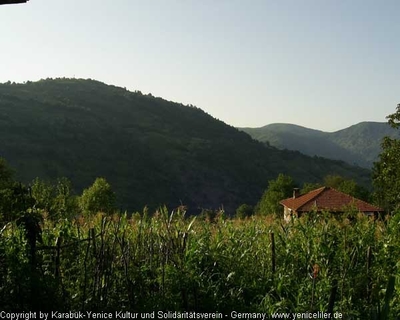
[[172, 262]]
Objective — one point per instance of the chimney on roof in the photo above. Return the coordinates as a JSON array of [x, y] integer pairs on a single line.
[[296, 193]]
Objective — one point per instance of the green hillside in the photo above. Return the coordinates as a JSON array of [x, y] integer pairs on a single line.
[[359, 144], [152, 151]]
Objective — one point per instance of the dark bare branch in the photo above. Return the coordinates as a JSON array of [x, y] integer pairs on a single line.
[[12, 1]]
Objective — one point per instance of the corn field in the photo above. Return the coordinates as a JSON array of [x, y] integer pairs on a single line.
[[172, 262]]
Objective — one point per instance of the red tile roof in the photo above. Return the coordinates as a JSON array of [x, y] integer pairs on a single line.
[[328, 199]]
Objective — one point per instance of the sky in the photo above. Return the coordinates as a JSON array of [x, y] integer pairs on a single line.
[[322, 64]]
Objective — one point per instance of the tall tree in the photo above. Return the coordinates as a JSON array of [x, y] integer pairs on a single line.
[[98, 198], [386, 171], [278, 189]]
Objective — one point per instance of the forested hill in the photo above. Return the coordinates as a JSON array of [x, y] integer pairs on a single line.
[[152, 151], [358, 144]]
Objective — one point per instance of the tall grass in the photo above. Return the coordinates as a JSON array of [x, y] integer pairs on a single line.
[[172, 262]]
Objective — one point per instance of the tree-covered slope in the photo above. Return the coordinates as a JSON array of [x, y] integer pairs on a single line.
[[152, 151], [364, 139], [359, 144]]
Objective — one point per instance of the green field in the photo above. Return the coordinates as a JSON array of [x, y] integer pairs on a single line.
[[345, 264]]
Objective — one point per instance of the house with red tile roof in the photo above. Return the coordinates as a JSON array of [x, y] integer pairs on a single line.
[[325, 199]]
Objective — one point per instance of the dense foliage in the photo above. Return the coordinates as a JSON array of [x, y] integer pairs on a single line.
[[169, 262], [98, 198], [386, 171], [278, 189], [142, 145]]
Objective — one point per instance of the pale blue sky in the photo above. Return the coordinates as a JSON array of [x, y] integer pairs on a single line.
[[320, 64]]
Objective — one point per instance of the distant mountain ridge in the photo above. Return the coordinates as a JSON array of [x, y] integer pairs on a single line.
[[359, 144], [150, 150]]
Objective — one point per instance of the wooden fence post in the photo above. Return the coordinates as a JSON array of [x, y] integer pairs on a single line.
[[369, 262], [57, 260], [273, 255]]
